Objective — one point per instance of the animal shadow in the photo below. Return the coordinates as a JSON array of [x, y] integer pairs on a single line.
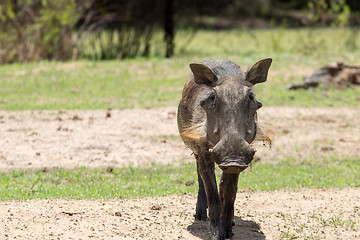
[[243, 230]]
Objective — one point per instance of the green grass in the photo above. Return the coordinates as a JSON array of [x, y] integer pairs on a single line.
[[88, 85], [247, 42], [293, 228], [159, 180], [158, 82]]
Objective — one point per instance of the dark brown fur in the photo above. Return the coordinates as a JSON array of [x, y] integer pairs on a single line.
[[217, 121]]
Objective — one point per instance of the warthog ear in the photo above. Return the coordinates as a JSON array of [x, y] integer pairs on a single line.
[[203, 74], [259, 71]]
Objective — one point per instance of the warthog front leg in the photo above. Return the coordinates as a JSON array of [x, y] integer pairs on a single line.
[[228, 189], [201, 203], [206, 171]]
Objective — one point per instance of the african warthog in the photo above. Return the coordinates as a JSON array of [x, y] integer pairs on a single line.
[[217, 121]]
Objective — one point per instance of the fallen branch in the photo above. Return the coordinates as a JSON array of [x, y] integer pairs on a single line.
[[337, 75], [33, 185]]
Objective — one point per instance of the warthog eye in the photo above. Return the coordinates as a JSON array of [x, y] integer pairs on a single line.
[[253, 102], [209, 102], [211, 98], [252, 96]]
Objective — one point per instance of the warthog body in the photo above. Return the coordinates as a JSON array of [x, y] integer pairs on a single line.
[[217, 121]]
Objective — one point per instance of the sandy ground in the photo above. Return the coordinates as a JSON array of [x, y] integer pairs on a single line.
[[47, 139], [330, 214]]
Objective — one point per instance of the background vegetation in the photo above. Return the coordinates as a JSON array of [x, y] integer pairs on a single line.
[[153, 82], [58, 30]]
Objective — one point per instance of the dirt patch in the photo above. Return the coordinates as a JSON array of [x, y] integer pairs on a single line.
[[138, 137], [311, 133], [306, 214], [47, 139]]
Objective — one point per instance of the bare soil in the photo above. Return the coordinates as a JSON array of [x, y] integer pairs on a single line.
[[307, 214], [139, 137]]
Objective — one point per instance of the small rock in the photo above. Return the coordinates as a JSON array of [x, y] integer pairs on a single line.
[[189, 183], [76, 118], [286, 131], [327, 148], [156, 207], [117, 214]]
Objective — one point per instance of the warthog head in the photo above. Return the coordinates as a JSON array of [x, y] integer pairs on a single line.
[[230, 106]]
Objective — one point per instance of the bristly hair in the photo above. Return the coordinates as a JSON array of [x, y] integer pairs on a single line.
[[195, 132], [264, 134]]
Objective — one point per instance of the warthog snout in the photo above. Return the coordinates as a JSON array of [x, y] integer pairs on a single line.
[[233, 164], [232, 154]]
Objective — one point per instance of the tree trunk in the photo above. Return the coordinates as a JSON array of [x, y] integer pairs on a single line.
[[169, 27]]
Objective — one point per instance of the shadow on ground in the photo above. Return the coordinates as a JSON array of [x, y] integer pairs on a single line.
[[243, 230]]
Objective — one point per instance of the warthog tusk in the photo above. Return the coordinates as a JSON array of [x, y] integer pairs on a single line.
[[210, 150]]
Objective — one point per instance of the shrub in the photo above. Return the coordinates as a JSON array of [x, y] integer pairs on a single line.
[[37, 29]]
